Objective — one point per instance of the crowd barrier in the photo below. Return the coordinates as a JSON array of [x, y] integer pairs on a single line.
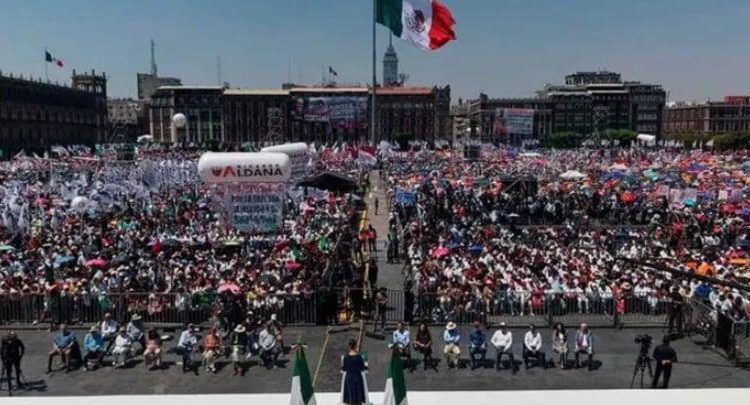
[[740, 342]]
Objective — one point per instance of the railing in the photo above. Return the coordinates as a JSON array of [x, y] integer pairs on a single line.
[[178, 309], [740, 342]]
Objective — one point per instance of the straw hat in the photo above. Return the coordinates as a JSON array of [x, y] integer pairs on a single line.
[[450, 326], [240, 329]]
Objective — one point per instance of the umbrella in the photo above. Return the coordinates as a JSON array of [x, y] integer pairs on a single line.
[[572, 175], [689, 202], [231, 287], [651, 174], [739, 261], [440, 252], [618, 166], [628, 197], [98, 262], [292, 265], [475, 248], [171, 243], [6, 248], [233, 242], [63, 260]]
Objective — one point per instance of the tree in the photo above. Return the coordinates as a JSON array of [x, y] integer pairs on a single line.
[[624, 137], [562, 140]]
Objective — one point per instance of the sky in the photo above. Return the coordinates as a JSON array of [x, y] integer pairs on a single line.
[[697, 49]]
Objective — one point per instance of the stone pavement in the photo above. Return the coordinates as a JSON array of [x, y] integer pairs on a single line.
[[615, 356]]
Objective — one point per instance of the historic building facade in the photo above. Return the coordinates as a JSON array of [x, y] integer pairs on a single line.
[[301, 113], [732, 114], [35, 115], [588, 103], [128, 119]]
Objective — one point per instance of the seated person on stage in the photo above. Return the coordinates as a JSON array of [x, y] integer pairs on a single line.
[[503, 342], [585, 345], [423, 344], [93, 348], [269, 347], [64, 344], [238, 342], [152, 355], [186, 345], [401, 341], [211, 346], [109, 332], [451, 338], [532, 347], [477, 346], [123, 350]]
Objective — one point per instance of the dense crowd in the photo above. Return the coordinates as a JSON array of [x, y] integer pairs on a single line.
[[81, 236], [536, 232]]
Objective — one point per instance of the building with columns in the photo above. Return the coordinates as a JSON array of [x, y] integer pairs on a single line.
[[35, 115], [300, 113]]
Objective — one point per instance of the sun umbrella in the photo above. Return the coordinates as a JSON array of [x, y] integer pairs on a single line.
[[292, 265], [618, 166], [475, 248], [97, 262], [63, 260], [440, 252], [230, 287], [572, 175], [6, 248], [628, 197]]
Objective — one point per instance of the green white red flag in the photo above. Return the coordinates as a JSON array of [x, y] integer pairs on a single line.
[[425, 23], [395, 386], [302, 389]]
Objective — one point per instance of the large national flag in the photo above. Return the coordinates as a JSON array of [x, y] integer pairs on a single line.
[[302, 389], [50, 59], [425, 23], [395, 387]]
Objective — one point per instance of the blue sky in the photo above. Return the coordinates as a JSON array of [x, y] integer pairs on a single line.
[[696, 49]]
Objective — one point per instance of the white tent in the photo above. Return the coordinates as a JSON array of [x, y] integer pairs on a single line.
[[646, 138], [572, 175], [145, 139]]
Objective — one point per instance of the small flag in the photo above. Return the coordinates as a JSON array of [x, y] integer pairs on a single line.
[[50, 59], [425, 23], [331, 71], [395, 386], [302, 389]]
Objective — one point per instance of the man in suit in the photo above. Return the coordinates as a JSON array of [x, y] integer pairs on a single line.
[[477, 346], [585, 344], [664, 356]]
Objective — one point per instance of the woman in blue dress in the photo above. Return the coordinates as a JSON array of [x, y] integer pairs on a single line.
[[352, 364]]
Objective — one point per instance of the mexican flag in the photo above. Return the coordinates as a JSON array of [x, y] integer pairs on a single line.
[[425, 23], [395, 387], [51, 59], [302, 389]]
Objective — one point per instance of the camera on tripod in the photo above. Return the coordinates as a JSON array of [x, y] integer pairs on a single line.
[[645, 342]]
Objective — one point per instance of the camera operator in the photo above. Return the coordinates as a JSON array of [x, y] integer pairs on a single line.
[[11, 352], [664, 356]]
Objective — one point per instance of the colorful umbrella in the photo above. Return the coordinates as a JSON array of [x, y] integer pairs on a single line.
[[231, 287], [292, 265], [98, 262], [440, 252], [6, 248]]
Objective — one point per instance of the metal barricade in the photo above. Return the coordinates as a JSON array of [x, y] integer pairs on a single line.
[[740, 342]]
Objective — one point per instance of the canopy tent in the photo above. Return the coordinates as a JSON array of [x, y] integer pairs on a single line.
[[330, 181], [646, 138]]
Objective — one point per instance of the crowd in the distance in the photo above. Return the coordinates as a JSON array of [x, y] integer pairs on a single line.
[[478, 244]]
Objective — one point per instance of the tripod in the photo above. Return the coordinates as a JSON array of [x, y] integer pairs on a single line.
[[641, 363], [21, 377]]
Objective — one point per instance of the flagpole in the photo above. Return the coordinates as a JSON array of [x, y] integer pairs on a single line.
[[374, 72], [46, 66]]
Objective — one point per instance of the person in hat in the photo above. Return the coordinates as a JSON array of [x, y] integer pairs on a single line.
[[477, 346], [451, 338], [502, 339], [238, 343], [137, 331], [93, 349], [152, 354], [11, 352], [123, 348]]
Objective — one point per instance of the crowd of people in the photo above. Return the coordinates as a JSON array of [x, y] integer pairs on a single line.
[[529, 233], [81, 236]]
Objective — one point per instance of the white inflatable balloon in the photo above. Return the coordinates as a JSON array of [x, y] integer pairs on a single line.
[[240, 167], [79, 203], [297, 152], [179, 120]]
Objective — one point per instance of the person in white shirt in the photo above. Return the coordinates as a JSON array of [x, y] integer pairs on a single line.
[[401, 342], [502, 339], [123, 348], [269, 348], [532, 347], [585, 344], [109, 331], [186, 345]]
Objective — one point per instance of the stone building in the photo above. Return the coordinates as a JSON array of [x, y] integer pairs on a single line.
[[732, 114], [36, 115]]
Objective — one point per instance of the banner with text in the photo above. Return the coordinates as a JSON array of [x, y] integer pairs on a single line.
[[514, 121], [255, 208], [344, 111]]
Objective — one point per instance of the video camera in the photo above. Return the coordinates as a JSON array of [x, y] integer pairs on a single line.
[[645, 342]]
